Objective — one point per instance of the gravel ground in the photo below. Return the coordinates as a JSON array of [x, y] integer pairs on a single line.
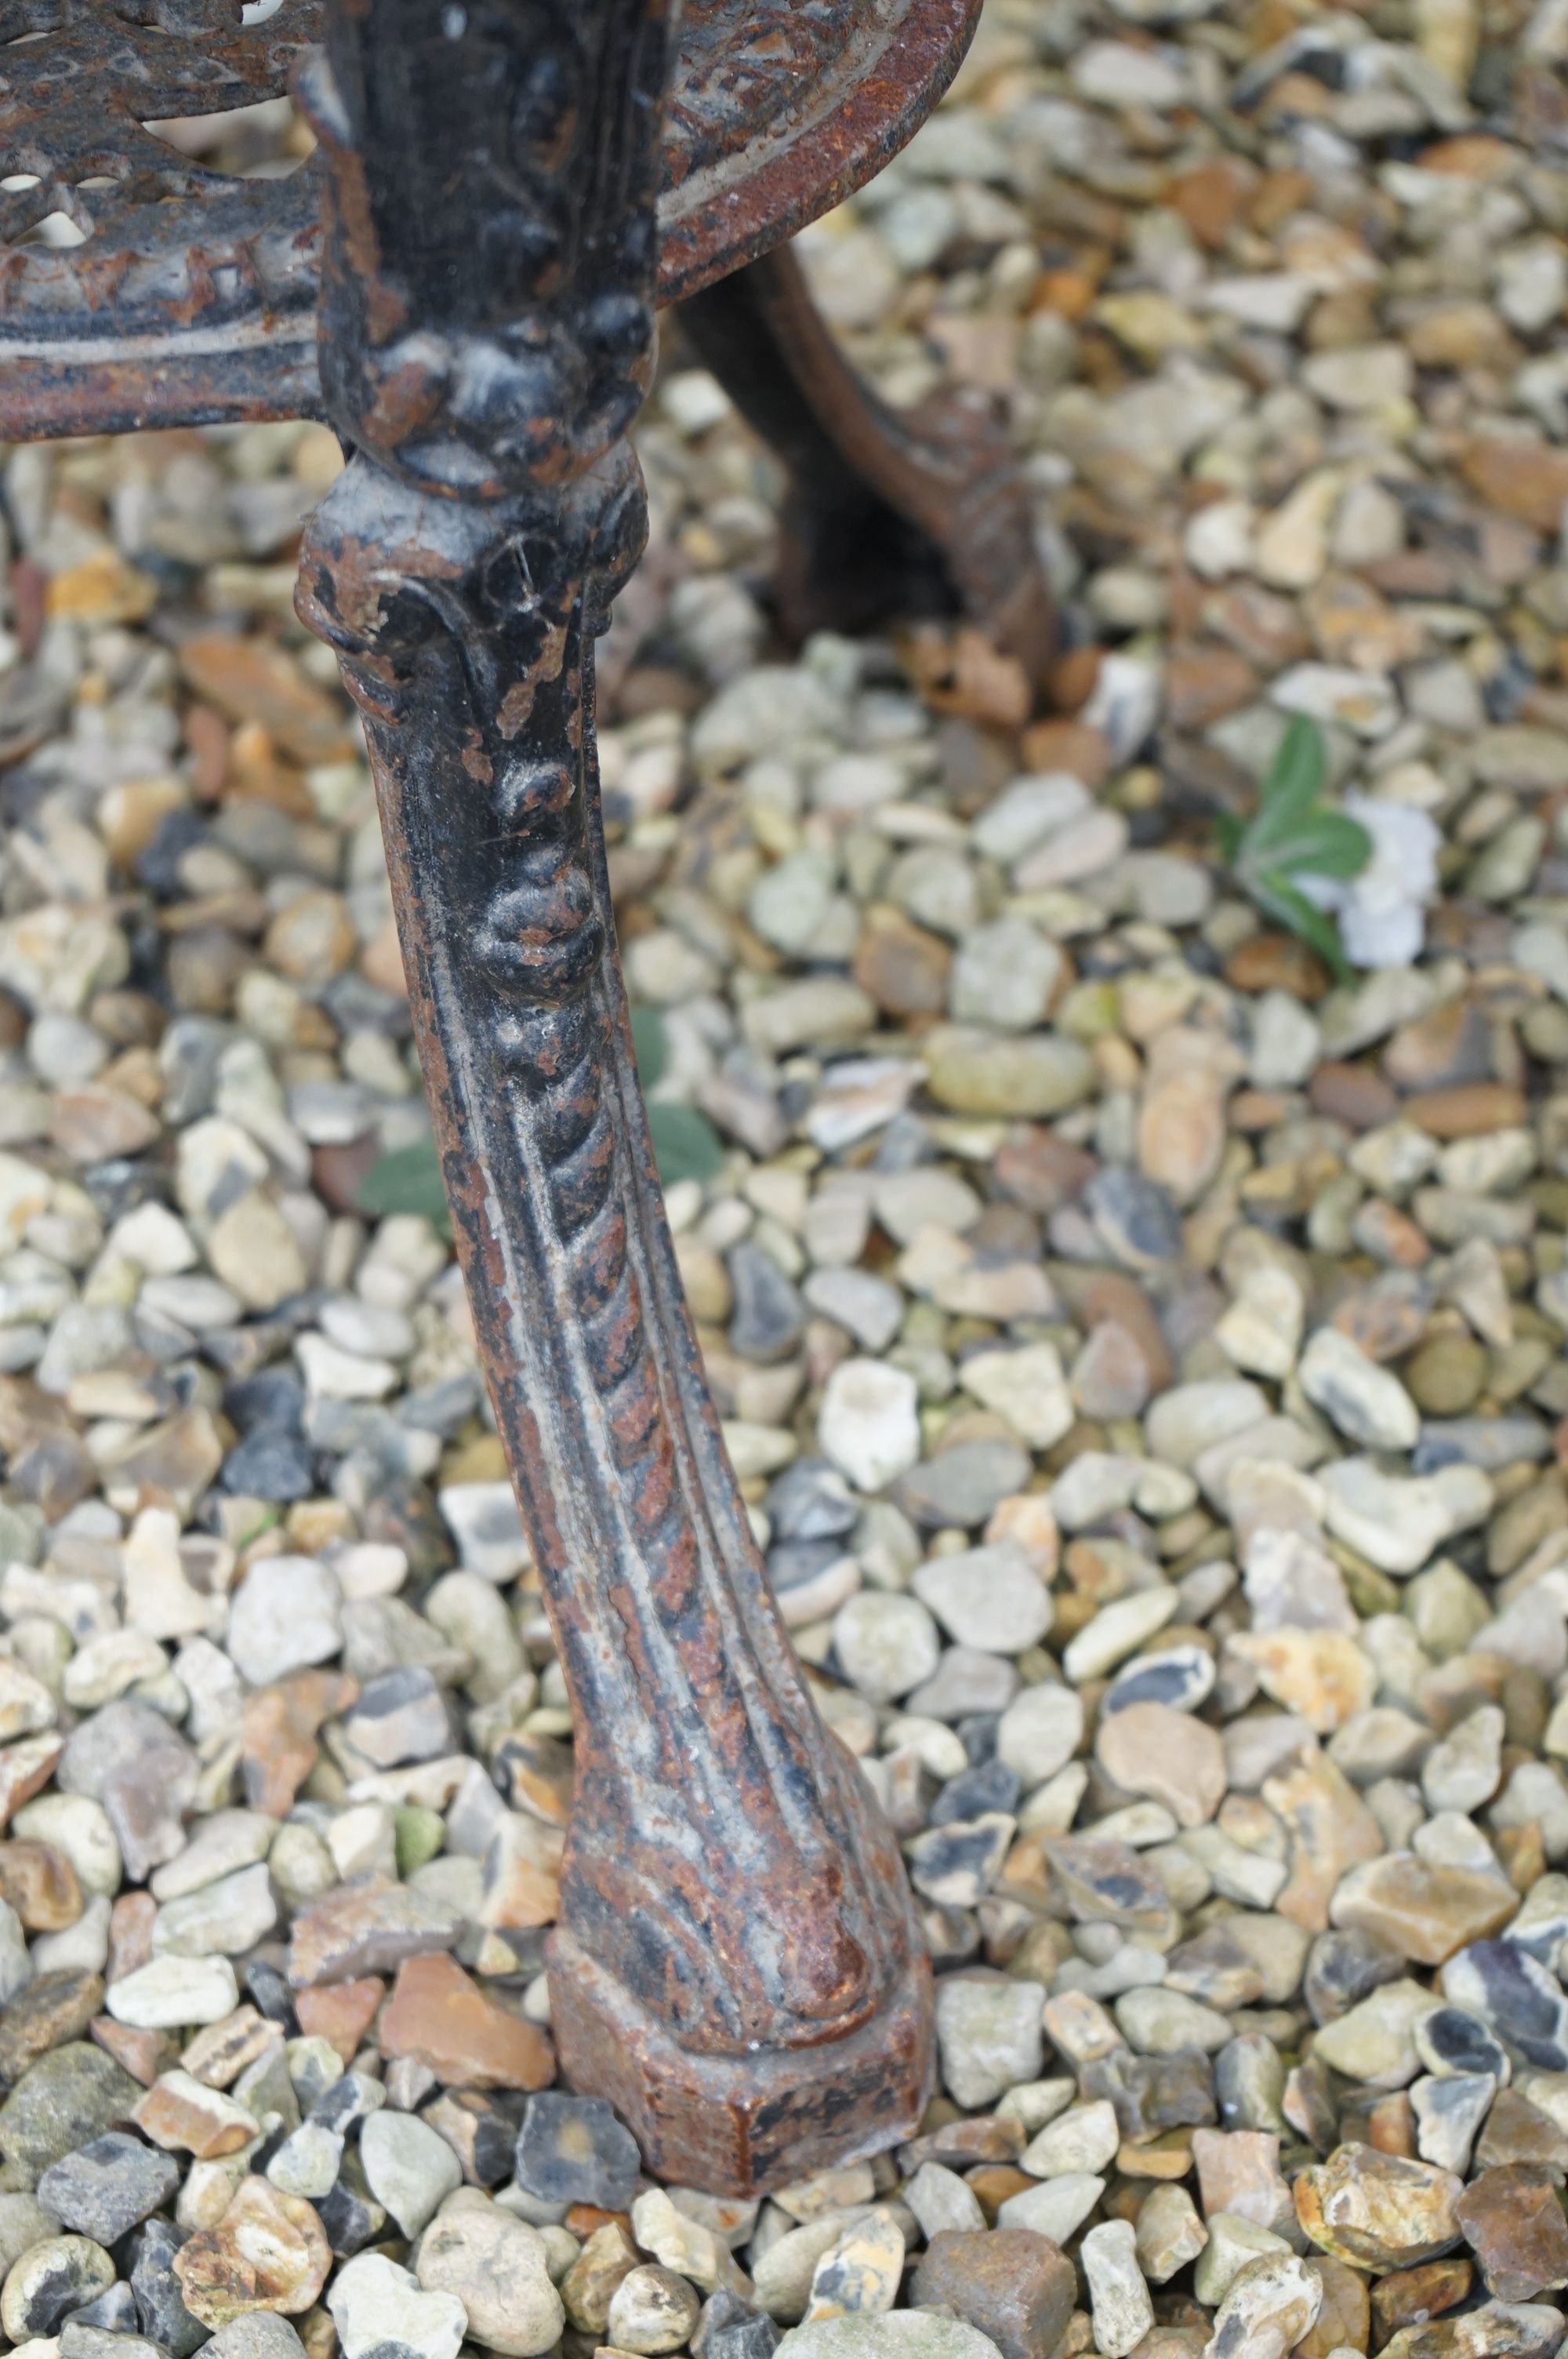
[[1141, 1341]]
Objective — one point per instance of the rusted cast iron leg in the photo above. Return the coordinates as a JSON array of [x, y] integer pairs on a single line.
[[736, 1967], [890, 514]]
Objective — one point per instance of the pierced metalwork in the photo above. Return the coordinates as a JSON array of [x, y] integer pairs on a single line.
[[191, 296]]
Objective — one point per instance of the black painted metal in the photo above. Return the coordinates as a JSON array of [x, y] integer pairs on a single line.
[[737, 1967]]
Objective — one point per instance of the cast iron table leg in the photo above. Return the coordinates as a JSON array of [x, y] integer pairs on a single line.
[[736, 1967], [889, 514]]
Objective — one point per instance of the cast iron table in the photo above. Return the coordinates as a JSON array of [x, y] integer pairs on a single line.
[[463, 281]]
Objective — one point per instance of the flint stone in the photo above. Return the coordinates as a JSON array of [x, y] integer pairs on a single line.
[[160, 2305], [108, 2185], [51, 2280], [1524, 2004], [572, 2149]]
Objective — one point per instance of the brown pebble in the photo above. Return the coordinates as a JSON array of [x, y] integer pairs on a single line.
[[1513, 2222], [1015, 2286], [1518, 2131], [40, 1884], [1352, 1094], [1521, 1852], [338, 1172], [131, 1922], [50, 2011], [994, 2183], [219, 2053], [1377, 2211], [95, 1124], [1213, 197], [1520, 474], [144, 2054], [984, 2137], [902, 966], [1039, 1170], [278, 1733], [1466, 1111], [184, 2116], [585, 2220], [340, 2012], [608, 2256], [1111, 1296], [442, 2019], [1071, 745], [1391, 2124], [1344, 2323], [1204, 683], [1425, 1912], [1408, 2295], [255, 679]]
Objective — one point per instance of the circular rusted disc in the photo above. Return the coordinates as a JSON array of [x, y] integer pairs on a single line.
[[190, 296]]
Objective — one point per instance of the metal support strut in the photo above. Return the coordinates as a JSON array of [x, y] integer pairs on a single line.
[[736, 1967]]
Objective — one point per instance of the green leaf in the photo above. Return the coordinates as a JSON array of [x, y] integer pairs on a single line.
[[1290, 792], [1230, 832], [1324, 842], [406, 1180], [1279, 898], [1299, 771], [1336, 845], [652, 1048], [1293, 833], [686, 1143]]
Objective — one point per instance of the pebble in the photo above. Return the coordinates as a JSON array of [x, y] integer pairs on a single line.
[[378, 2307], [1150, 1749], [895, 2334], [407, 2168], [63, 2100], [1169, 2233], [986, 1597], [1268, 2305], [51, 2279], [1379, 2211], [174, 1990], [652, 2311], [103, 2189], [496, 2267], [683, 2244], [1369, 1406], [285, 1616], [867, 1425], [268, 2251], [1120, 2305], [886, 1644], [989, 2037], [440, 2018], [1012, 2286], [574, 2150], [859, 2271]]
